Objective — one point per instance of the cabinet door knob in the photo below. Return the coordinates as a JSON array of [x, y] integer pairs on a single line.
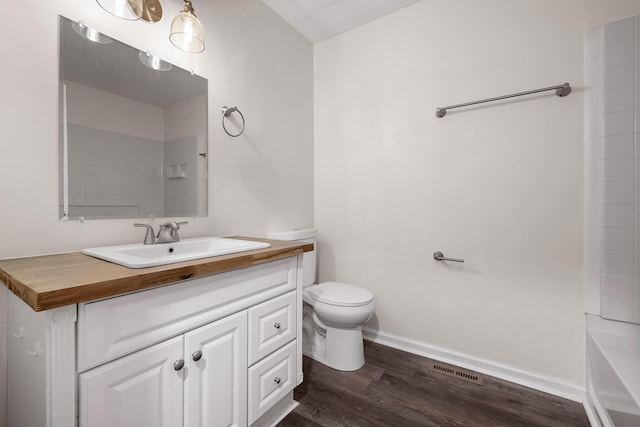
[[277, 380], [197, 355], [276, 325], [178, 364]]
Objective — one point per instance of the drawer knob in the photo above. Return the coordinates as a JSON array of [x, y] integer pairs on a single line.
[[197, 355], [277, 380], [178, 364], [276, 325]]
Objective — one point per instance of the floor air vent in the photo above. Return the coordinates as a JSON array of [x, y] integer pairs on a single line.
[[454, 371]]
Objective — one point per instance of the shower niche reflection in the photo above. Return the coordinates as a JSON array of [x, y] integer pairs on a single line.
[[133, 132]]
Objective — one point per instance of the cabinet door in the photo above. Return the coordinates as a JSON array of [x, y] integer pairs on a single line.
[[143, 389], [216, 385]]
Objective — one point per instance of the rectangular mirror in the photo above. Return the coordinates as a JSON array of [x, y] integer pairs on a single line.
[[133, 131]]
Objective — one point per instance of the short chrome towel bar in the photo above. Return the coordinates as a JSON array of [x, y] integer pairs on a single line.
[[439, 256], [561, 90]]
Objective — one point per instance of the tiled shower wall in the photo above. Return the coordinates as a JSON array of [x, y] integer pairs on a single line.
[[620, 272], [113, 175]]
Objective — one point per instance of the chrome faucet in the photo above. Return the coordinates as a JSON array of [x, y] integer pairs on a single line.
[[167, 233]]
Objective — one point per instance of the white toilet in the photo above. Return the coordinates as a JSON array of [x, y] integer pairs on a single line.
[[333, 312]]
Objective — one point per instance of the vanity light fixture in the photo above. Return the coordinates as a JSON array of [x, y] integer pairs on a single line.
[[187, 32], [154, 62], [132, 10], [90, 33]]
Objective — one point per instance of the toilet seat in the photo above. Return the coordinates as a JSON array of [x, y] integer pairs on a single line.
[[340, 294]]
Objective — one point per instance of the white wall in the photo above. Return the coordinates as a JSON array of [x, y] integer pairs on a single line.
[[499, 184], [253, 60]]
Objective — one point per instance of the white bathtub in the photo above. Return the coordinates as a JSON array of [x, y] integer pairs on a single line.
[[613, 376]]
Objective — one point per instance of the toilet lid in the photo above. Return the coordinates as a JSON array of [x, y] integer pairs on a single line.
[[342, 294]]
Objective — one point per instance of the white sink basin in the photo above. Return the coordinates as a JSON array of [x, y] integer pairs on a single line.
[[139, 256]]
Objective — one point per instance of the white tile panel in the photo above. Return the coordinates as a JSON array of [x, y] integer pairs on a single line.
[[619, 31], [620, 53], [619, 123], [619, 76], [617, 100], [618, 309], [619, 216], [618, 285], [618, 146], [620, 169], [618, 262], [619, 239], [619, 193]]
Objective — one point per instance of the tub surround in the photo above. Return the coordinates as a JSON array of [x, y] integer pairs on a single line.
[[613, 382], [52, 281]]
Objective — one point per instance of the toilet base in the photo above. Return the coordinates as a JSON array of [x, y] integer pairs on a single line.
[[338, 348], [343, 349]]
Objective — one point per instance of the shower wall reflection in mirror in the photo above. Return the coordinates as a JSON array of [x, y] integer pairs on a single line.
[[133, 131]]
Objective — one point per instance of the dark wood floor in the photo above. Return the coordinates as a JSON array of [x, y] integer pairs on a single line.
[[395, 388]]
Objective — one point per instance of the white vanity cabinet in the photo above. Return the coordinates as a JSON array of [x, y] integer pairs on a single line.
[[219, 350], [204, 368]]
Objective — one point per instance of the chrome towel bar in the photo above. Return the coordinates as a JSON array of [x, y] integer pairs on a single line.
[[439, 256], [561, 90]]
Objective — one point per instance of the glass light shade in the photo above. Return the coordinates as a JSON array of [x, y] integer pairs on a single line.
[[153, 62], [119, 8], [187, 32], [90, 34]]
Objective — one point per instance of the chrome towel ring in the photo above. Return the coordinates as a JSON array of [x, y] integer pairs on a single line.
[[226, 112]]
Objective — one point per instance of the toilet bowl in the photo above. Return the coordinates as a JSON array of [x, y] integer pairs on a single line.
[[333, 312], [341, 309]]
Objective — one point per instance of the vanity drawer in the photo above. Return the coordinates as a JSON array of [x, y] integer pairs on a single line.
[[271, 379], [113, 327], [271, 325]]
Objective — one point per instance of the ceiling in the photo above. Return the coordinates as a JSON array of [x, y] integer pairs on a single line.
[[115, 67], [319, 20]]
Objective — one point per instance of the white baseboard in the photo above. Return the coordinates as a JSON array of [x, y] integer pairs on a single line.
[[277, 413], [545, 384]]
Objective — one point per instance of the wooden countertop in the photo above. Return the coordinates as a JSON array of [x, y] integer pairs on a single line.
[[51, 281]]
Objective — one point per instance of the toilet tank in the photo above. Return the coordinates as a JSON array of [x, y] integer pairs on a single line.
[[307, 235]]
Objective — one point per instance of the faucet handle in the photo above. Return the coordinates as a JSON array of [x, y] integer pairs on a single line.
[[149, 237]]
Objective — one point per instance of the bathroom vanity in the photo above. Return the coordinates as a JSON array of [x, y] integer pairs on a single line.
[[215, 341]]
